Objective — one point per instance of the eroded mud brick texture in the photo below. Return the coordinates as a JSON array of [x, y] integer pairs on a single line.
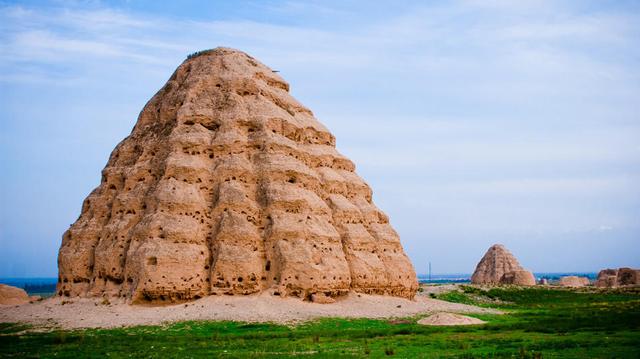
[[229, 186]]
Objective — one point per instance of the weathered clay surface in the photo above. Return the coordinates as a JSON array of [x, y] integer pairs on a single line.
[[228, 185], [499, 266], [13, 296], [573, 281], [611, 278]]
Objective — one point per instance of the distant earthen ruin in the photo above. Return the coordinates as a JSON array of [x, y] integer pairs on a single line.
[[498, 266], [621, 277], [573, 281], [229, 186]]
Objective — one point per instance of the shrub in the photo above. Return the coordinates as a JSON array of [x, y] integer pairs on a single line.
[[198, 53]]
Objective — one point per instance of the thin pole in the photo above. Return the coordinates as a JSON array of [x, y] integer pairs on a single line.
[[429, 271]]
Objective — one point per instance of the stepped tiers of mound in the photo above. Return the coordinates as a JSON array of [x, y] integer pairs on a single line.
[[13, 296], [573, 281], [228, 185], [611, 278], [499, 266]]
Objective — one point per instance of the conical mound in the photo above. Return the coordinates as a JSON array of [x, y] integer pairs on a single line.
[[499, 266], [228, 185]]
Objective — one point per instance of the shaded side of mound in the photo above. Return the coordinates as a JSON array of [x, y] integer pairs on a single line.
[[449, 319]]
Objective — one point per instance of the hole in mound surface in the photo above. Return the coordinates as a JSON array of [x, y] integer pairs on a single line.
[[210, 126], [152, 261]]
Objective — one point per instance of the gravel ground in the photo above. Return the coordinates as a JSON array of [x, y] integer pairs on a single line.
[[92, 313]]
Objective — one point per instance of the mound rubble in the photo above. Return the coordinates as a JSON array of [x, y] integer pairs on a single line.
[[227, 185]]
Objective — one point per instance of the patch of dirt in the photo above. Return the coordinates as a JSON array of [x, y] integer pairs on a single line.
[[448, 319]]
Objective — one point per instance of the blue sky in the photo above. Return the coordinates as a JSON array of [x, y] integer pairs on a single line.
[[475, 122]]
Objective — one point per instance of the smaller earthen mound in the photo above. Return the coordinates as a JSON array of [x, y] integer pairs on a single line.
[[518, 277], [449, 319], [622, 277], [499, 266], [12, 296], [573, 281]]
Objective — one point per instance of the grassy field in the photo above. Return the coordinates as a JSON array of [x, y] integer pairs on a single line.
[[541, 323]]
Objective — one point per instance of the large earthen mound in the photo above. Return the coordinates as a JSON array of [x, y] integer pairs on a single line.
[[12, 295], [621, 277], [499, 266], [228, 185]]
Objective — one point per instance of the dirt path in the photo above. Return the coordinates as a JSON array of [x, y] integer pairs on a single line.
[[91, 313]]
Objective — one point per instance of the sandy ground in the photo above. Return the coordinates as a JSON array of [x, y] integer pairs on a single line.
[[91, 313]]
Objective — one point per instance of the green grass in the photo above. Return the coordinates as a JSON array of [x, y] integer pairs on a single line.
[[540, 323]]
